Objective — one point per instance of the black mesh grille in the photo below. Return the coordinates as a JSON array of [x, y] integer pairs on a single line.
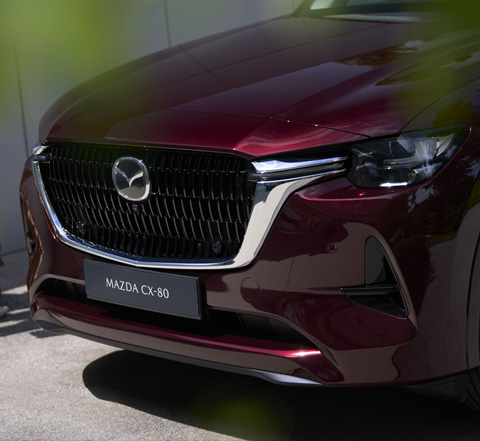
[[199, 207]]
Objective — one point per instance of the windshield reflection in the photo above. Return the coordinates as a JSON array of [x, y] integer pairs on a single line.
[[452, 11]]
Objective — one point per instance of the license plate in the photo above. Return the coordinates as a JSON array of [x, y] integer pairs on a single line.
[[150, 290]]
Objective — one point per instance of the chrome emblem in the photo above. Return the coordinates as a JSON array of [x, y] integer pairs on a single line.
[[131, 179]]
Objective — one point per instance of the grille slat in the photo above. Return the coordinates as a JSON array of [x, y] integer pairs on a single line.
[[199, 207]]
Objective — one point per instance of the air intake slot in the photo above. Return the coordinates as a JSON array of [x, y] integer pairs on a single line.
[[381, 290]]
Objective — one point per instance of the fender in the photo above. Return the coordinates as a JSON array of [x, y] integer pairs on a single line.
[[473, 311]]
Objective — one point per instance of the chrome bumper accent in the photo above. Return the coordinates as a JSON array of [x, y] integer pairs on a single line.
[[268, 201]]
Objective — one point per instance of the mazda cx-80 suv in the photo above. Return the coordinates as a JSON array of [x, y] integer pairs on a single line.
[[297, 199]]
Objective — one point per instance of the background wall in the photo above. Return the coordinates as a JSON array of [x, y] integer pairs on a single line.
[[49, 46]]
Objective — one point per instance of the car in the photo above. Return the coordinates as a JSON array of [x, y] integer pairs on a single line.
[[297, 200]]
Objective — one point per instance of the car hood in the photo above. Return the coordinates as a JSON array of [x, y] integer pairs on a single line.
[[318, 80]]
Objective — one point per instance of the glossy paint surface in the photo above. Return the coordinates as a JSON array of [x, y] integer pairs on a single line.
[[284, 86], [360, 77]]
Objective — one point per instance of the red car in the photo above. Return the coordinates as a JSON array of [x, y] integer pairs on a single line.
[[297, 200]]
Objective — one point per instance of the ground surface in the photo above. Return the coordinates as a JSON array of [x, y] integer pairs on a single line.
[[59, 387]]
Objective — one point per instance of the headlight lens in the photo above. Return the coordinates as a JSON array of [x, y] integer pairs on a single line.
[[408, 159]]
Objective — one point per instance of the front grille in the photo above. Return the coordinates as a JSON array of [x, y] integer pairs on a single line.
[[199, 207]]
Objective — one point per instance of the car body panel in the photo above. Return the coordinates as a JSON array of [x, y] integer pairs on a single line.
[[284, 87], [326, 73], [246, 135]]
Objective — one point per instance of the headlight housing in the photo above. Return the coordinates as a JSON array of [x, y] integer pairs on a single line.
[[407, 159]]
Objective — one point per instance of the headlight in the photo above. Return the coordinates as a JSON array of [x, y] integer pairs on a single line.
[[408, 159]]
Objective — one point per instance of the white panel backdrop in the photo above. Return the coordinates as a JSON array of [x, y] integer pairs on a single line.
[[49, 46]]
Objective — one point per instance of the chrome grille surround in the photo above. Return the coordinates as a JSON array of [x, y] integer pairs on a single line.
[[269, 189]]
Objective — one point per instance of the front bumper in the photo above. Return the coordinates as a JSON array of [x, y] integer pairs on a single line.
[[315, 247]]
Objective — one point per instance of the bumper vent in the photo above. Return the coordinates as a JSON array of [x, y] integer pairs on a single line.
[[199, 207], [382, 291]]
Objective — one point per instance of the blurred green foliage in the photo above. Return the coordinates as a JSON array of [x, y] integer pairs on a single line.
[[53, 43], [67, 35]]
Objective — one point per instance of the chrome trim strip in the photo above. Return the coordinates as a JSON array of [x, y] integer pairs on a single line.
[[276, 170], [37, 152], [38, 148], [283, 379], [268, 201], [275, 165]]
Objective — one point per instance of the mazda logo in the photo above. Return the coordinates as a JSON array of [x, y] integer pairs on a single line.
[[131, 179]]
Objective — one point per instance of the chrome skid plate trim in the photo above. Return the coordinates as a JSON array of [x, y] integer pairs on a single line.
[[268, 201]]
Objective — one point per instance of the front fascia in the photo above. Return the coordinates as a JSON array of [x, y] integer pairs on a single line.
[[300, 279]]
